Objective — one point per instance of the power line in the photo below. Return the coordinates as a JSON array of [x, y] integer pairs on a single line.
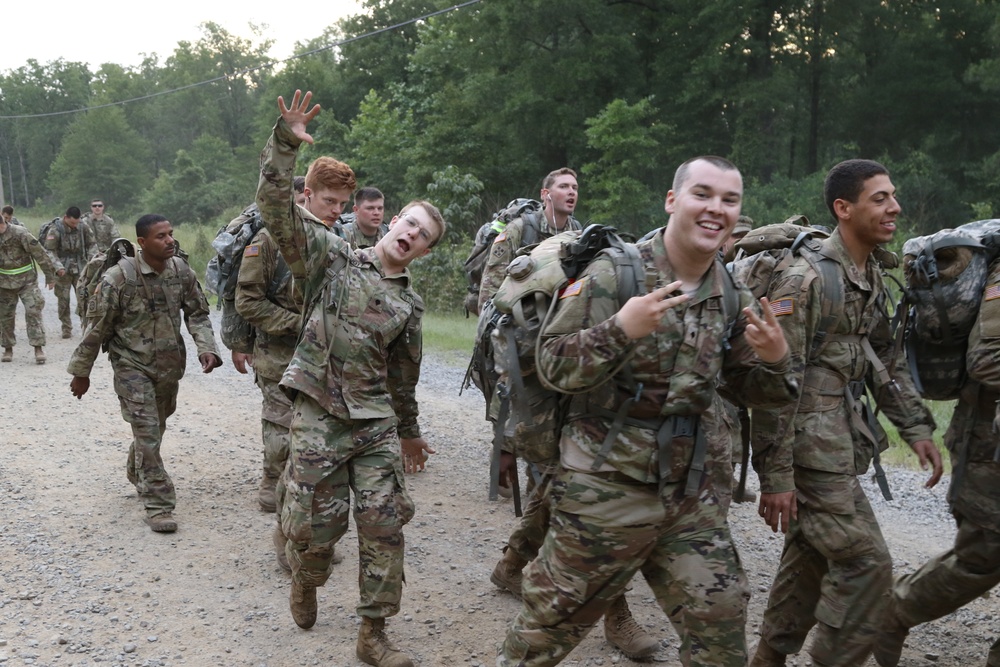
[[249, 70]]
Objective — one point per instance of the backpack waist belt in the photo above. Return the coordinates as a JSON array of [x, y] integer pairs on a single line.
[[18, 271]]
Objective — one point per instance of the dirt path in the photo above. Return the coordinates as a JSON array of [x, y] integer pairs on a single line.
[[84, 582]]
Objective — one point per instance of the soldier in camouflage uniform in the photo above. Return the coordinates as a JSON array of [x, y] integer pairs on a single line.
[[70, 244], [835, 569], [19, 251], [367, 228], [630, 494], [105, 229], [137, 314], [353, 375], [7, 213], [972, 566]]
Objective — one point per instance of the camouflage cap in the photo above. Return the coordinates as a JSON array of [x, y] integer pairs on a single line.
[[743, 225]]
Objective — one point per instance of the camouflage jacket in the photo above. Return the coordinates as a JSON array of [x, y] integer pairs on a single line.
[[800, 445], [19, 251], [352, 233], [677, 367], [105, 230], [141, 320], [360, 348], [277, 319], [70, 249], [505, 247]]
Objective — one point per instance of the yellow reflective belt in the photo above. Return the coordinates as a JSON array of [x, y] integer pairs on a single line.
[[17, 272]]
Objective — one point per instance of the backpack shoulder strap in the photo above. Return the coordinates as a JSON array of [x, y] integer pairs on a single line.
[[530, 229], [831, 288]]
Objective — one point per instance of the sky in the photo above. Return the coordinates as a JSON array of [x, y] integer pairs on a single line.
[[101, 31]]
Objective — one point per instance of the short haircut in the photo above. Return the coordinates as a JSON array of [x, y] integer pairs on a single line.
[[847, 179], [8, 209], [325, 173], [551, 177], [73, 212], [432, 211], [99, 200], [682, 171], [299, 184], [368, 194], [143, 224]]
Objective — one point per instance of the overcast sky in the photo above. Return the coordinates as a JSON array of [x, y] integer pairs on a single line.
[[100, 31]]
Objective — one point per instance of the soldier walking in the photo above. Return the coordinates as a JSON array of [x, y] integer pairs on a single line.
[[70, 244], [103, 225], [19, 254]]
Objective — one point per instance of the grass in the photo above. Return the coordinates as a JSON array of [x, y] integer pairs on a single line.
[[451, 337], [900, 454]]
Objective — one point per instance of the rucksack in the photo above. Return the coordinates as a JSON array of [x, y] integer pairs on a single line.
[[89, 282], [43, 231], [487, 233], [945, 276]]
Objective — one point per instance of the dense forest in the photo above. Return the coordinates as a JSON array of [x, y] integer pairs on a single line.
[[471, 107]]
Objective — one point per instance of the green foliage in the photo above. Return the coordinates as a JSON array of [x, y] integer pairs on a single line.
[[769, 203], [379, 145], [450, 336], [440, 279], [196, 241], [457, 196]]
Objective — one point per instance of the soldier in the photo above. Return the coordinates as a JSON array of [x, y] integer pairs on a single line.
[[137, 314], [835, 569], [630, 494], [7, 213], [19, 251], [70, 244], [972, 566], [105, 229], [354, 375], [367, 228]]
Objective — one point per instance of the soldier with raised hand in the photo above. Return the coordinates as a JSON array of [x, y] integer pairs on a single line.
[[353, 374], [835, 569], [19, 252], [631, 494], [137, 313], [71, 244], [368, 226], [7, 213], [105, 229]]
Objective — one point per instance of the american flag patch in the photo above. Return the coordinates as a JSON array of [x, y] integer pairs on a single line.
[[992, 292], [251, 251], [573, 289], [782, 307], [502, 236]]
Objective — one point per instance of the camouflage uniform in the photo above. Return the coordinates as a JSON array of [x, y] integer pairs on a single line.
[[105, 230], [19, 251], [972, 566], [70, 249], [275, 313], [352, 233], [354, 375], [140, 321], [613, 511], [835, 569]]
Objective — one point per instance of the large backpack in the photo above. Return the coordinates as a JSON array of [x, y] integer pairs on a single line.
[[43, 231], [476, 261], [945, 275]]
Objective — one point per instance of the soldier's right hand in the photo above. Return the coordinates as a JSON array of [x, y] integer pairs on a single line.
[[778, 509], [241, 360], [641, 315], [79, 386]]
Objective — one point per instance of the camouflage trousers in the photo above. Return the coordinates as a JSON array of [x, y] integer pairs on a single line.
[[606, 527], [275, 419], [65, 284], [529, 535], [146, 403], [950, 580], [328, 459], [835, 573], [33, 302]]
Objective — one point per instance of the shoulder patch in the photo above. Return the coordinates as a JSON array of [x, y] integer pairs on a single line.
[[502, 236], [573, 289], [782, 307], [252, 250], [992, 292]]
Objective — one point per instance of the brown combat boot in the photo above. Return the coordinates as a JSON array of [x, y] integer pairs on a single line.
[[302, 603], [622, 632], [162, 523], [279, 540], [765, 656], [507, 573], [39, 355], [8, 354], [374, 647], [266, 493]]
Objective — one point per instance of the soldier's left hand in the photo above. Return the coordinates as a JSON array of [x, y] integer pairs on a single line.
[[765, 335], [209, 361], [415, 453], [298, 115], [927, 453]]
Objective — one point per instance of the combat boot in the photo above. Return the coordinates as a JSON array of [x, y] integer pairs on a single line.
[[302, 603], [765, 656], [889, 642], [162, 523], [622, 632], [279, 540], [266, 493], [507, 573], [8, 354], [374, 647], [39, 355]]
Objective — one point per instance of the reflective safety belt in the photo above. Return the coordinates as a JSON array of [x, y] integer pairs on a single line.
[[18, 271]]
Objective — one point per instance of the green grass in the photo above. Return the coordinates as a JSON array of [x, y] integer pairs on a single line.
[[900, 454], [451, 337]]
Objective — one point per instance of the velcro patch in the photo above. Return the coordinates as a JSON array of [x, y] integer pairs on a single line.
[[782, 307], [573, 289], [251, 251], [992, 292], [502, 236]]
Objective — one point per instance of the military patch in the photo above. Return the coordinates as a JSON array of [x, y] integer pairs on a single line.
[[502, 236], [573, 289], [992, 292], [252, 251], [782, 307]]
